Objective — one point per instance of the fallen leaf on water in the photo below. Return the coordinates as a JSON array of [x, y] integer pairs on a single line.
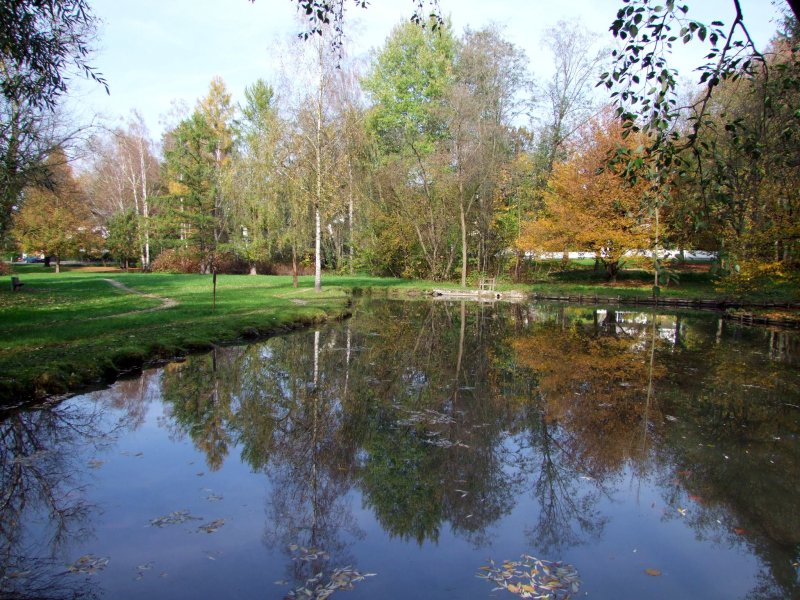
[[95, 463], [653, 572], [682, 511], [533, 578], [173, 518], [696, 498], [141, 569], [739, 530], [88, 563], [212, 526]]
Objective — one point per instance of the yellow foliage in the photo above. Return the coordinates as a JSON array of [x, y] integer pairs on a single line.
[[176, 188], [589, 206]]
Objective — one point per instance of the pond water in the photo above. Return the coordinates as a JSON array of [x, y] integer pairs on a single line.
[[413, 450]]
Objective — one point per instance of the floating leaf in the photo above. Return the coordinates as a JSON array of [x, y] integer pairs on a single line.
[[88, 563], [173, 518], [739, 530], [212, 526], [653, 572], [534, 578]]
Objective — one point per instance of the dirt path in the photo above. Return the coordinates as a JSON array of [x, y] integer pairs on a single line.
[[165, 302]]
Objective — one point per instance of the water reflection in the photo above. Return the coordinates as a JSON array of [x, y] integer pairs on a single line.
[[42, 453], [451, 417], [446, 413]]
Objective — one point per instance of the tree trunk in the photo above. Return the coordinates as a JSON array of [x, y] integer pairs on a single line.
[[294, 266], [612, 268], [350, 213], [317, 251], [253, 269], [463, 244]]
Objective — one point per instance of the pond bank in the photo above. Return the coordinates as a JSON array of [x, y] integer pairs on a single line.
[[75, 331], [78, 330]]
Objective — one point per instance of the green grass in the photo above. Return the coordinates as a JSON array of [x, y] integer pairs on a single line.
[[692, 282], [69, 331], [74, 330]]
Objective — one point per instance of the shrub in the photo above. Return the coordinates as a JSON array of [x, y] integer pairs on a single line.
[[230, 264], [5, 269], [176, 261]]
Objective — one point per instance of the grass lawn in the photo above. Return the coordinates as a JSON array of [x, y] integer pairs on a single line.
[[83, 327], [68, 331], [694, 280]]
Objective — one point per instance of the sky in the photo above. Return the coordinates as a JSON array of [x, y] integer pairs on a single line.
[[155, 53]]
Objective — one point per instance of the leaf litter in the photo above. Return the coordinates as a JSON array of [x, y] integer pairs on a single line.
[[320, 587], [174, 518], [89, 564], [212, 526], [142, 569], [532, 577]]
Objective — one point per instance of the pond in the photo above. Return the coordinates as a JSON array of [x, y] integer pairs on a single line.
[[423, 449]]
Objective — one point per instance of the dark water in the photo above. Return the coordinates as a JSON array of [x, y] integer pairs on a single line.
[[656, 454]]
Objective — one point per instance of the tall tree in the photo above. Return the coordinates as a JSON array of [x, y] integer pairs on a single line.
[[252, 182], [320, 148], [197, 153], [568, 93], [40, 42], [124, 178], [492, 88], [590, 208], [55, 219], [408, 83]]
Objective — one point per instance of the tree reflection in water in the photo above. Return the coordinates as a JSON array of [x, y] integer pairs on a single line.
[[445, 413], [42, 454]]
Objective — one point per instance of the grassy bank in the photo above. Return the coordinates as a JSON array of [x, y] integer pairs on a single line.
[[692, 281], [84, 327], [66, 332]]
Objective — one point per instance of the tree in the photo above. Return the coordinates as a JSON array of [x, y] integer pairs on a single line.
[[589, 206], [568, 93], [644, 87], [409, 83], [122, 240], [40, 41], [252, 183], [55, 219], [492, 88], [124, 178], [197, 152]]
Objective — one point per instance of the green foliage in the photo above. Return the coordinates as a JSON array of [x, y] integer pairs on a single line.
[[39, 43], [122, 240], [408, 83]]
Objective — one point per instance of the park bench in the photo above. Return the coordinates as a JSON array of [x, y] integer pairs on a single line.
[[16, 284]]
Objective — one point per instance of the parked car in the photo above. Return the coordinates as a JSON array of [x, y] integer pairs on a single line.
[[33, 259]]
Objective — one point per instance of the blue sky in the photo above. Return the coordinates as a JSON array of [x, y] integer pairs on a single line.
[[156, 52]]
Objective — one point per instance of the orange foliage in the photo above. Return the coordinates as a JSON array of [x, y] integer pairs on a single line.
[[593, 382], [588, 205]]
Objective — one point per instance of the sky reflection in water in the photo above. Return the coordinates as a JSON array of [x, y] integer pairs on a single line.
[[657, 454]]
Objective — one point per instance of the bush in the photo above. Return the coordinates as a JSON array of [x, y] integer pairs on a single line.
[[230, 264], [184, 261], [176, 261], [5, 269], [286, 269]]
